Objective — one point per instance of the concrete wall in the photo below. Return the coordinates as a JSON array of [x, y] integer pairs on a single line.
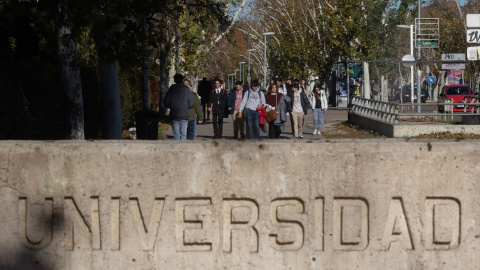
[[371, 204]]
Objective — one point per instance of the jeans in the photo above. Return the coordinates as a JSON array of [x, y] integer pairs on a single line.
[[191, 130], [195, 134], [317, 119], [253, 119], [179, 128]]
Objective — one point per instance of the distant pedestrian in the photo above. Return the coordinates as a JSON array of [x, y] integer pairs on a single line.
[[234, 101], [281, 87], [304, 87], [187, 84], [195, 113], [179, 100], [218, 102], [253, 100], [204, 90], [299, 109], [272, 98], [319, 106]]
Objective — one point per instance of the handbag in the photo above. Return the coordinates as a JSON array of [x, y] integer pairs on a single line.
[[272, 114]]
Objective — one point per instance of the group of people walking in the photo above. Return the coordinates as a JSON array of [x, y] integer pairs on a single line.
[[251, 109]]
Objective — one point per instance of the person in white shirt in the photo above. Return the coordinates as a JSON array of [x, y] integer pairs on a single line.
[[319, 106], [281, 88], [300, 108]]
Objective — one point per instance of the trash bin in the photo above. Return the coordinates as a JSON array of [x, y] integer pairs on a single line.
[[147, 125]]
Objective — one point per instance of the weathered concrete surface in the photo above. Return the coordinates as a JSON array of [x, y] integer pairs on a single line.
[[379, 204], [402, 130]]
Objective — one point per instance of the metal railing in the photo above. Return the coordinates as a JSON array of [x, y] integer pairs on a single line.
[[377, 110], [389, 112]]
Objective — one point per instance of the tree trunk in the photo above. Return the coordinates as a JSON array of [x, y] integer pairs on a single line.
[[366, 81], [111, 106], [164, 80], [110, 86], [384, 87], [70, 75]]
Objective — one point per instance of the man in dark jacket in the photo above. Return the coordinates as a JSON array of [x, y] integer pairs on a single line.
[[204, 90], [179, 99], [218, 102]]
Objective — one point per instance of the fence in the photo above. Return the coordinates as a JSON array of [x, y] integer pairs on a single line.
[[389, 112]]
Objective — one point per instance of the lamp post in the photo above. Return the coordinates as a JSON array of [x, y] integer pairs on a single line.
[[265, 57], [236, 73], [241, 75], [249, 52], [419, 56], [233, 81], [412, 73]]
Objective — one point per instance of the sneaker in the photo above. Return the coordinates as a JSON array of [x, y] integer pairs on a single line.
[[318, 133], [315, 132]]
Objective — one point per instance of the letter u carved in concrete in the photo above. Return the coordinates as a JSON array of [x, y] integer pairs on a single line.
[[22, 225]]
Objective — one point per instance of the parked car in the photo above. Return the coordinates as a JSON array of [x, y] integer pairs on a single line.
[[406, 92], [456, 93]]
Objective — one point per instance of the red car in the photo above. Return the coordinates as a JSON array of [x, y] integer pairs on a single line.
[[456, 93]]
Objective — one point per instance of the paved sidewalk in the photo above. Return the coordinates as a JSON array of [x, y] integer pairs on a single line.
[[333, 115]]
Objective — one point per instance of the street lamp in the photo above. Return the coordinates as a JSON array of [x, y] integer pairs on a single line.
[[412, 73], [232, 82], [265, 57], [249, 52], [236, 73], [229, 81], [241, 76]]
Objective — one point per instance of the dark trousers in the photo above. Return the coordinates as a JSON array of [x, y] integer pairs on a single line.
[[206, 112], [292, 124], [191, 130], [217, 125], [273, 131]]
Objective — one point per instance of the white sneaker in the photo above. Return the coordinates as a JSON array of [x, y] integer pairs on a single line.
[[318, 133], [315, 132]]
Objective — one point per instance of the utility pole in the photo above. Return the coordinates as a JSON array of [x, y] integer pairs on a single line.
[[419, 55]]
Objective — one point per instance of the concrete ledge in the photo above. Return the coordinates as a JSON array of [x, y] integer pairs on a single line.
[[410, 130], [371, 124], [370, 204]]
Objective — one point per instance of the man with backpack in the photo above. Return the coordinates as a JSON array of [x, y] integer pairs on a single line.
[[254, 99], [218, 103]]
